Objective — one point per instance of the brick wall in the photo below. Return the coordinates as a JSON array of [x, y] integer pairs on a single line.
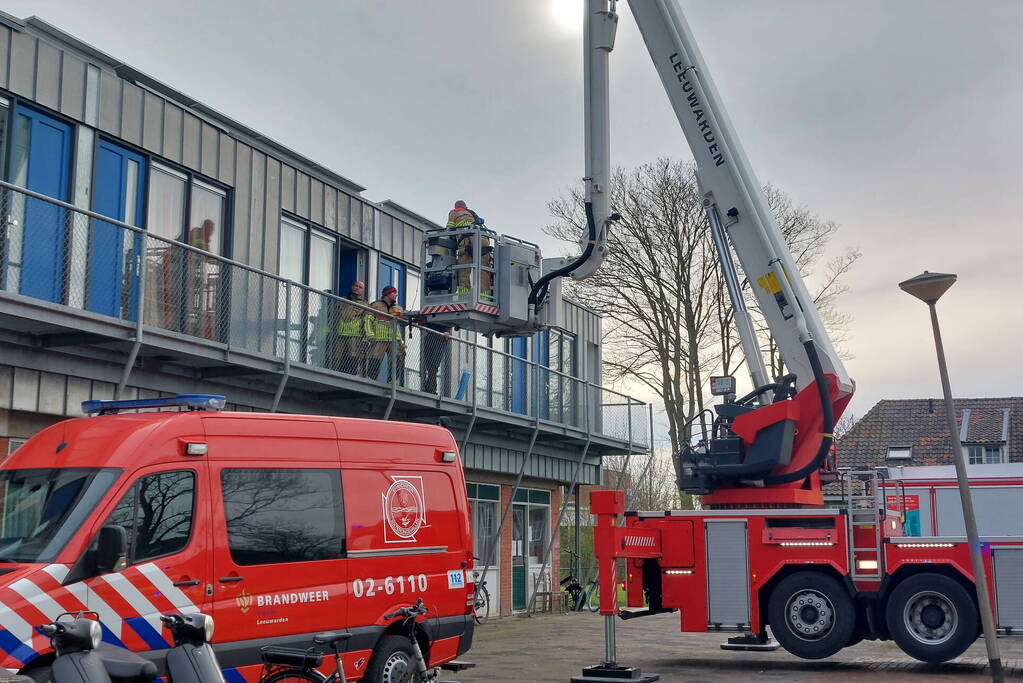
[[505, 553]]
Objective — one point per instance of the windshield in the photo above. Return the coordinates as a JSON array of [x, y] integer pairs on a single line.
[[41, 509]]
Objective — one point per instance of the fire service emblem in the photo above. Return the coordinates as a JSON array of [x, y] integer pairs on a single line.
[[244, 601], [404, 510]]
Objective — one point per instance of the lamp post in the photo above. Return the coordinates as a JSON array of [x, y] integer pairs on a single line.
[[928, 287]]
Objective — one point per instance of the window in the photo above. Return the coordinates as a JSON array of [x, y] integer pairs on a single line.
[[555, 349], [308, 256], [900, 452], [157, 514], [484, 499], [174, 194], [14, 444], [984, 454], [536, 505], [390, 273], [287, 515], [185, 291]]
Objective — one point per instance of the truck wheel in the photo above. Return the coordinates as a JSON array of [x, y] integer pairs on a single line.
[[811, 615], [932, 617], [392, 661]]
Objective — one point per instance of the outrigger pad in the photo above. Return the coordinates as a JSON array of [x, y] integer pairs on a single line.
[[751, 643], [602, 673]]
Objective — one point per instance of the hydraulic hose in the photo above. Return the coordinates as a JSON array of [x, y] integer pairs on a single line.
[[827, 424], [539, 291]]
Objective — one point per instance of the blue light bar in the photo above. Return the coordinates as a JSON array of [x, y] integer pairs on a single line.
[[190, 401]]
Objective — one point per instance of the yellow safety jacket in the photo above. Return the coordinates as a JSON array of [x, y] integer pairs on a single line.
[[461, 218], [352, 321], [387, 329]]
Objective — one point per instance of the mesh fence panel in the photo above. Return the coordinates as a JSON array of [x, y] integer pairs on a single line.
[[74, 258]]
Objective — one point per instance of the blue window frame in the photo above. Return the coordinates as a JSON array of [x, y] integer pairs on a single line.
[[118, 192], [41, 163], [391, 273]]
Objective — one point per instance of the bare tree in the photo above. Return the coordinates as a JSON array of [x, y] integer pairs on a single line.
[[844, 424], [667, 316]]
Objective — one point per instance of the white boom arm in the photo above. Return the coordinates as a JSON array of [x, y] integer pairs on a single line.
[[598, 40], [735, 203]]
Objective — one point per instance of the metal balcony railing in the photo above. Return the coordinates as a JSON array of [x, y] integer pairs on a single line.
[[77, 259]]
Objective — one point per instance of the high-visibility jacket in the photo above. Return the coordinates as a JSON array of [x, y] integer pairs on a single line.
[[461, 218], [352, 321], [387, 329]]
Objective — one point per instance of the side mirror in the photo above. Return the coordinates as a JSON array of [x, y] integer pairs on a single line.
[[111, 548]]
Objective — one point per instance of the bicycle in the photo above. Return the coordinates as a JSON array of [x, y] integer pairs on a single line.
[[283, 664], [396, 661], [578, 596], [480, 599]]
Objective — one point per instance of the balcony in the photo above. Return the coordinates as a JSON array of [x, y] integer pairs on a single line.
[[75, 281]]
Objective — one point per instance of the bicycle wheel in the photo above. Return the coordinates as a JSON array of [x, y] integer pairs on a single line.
[[593, 601], [481, 604], [291, 675]]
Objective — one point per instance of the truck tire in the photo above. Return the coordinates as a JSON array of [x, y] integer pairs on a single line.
[[931, 617], [392, 661], [811, 615]]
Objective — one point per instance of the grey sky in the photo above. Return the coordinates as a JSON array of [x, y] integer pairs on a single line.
[[899, 120]]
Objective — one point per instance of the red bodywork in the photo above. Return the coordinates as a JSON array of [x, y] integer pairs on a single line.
[[805, 411], [405, 522], [777, 543]]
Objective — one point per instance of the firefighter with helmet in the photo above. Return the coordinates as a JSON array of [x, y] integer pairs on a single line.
[[463, 217]]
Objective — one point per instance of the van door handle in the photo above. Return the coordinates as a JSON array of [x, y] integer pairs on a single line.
[[192, 582], [230, 579]]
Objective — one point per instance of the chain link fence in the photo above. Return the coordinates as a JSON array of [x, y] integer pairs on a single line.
[[53, 252]]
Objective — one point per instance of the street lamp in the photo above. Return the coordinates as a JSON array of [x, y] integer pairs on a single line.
[[928, 287]]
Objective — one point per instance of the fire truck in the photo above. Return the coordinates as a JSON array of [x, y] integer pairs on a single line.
[[766, 550]]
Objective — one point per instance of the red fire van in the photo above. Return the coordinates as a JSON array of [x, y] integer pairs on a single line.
[[279, 526]]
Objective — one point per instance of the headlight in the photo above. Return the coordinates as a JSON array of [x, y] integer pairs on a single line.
[[209, 627]]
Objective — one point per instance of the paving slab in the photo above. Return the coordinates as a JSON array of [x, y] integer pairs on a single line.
[[555, 647]]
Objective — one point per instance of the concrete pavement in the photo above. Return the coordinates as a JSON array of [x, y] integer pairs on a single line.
[[555, 647]]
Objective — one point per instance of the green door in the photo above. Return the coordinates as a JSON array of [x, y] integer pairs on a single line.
[[518, 557]]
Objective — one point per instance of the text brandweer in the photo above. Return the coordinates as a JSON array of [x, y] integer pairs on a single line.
[[291, 598], [697, 109]]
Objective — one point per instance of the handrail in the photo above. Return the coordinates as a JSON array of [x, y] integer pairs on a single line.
[[184, 289]]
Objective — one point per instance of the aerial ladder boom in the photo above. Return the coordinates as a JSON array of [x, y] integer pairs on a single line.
[[733, 197], [766, 448]]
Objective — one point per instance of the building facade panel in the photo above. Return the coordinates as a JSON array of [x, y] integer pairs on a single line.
[[210, 151], [316, 202], [271, 215], [302, 195], [288, 188], [191, 140], [110, 103], [257, 211], [173, 132], [72, 87], [131, 114], [47, 87], [243, 205], [225, 165], [152, 123], [23, 64], [5, 55]]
